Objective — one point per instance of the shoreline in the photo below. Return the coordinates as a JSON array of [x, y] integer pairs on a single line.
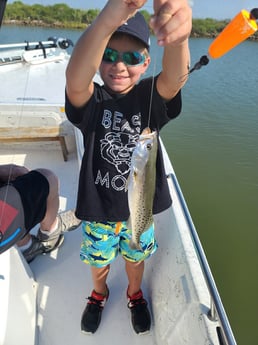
[[80, 26], [41, 23]]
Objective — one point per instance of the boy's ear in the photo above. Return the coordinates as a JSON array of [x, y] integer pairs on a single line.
[[147, 62]]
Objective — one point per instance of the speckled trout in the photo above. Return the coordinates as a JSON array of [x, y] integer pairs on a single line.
[[141, 185]]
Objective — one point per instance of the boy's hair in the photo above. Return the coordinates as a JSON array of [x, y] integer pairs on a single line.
[[121, 35], [136, 27]]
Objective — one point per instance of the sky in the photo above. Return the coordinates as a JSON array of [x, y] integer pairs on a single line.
[[218, 9]]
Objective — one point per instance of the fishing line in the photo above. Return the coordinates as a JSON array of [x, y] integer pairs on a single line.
[[152, 86]]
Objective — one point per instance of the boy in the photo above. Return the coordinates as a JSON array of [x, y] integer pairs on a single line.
[[111, 117]]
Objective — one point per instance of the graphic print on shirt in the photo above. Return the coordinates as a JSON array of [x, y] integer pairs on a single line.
[[116, 148]]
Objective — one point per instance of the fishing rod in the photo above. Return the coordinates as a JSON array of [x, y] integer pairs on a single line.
[[241, 27], [2, 9]]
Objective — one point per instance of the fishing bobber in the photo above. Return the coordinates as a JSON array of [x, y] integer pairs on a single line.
[[239, 29]]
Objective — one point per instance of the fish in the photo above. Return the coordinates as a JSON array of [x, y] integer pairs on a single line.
[[141, 185]]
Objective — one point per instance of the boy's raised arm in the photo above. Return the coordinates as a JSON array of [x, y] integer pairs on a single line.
[[172, 24], [88, 52]]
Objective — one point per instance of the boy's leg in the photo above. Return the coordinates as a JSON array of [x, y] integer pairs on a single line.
[[96, 238], [91, 316], [99, 277], [134, 263], [140, 315], [134, 272]]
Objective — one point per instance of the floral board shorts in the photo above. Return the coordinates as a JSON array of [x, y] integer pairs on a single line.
[[102, 242]]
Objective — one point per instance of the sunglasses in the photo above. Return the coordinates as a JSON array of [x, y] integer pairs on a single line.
[[129, 58]]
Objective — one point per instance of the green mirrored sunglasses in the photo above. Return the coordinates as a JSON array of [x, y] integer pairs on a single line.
[[129, 58]]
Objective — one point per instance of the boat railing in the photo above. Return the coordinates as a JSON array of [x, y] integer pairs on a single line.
[[15, 52], [52, 42], [217, 312]]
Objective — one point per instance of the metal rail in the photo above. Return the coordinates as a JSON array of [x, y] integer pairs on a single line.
[[52, 42], [217, 311], [26, 44]]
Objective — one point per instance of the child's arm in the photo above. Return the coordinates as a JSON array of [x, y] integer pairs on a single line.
[[172, 23], [88, 52]]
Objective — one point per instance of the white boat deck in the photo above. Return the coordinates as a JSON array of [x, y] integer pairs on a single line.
[[31, 84], [173, 282], [47, 298]]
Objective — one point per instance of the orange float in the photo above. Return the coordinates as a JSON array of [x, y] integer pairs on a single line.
[[242, 26]]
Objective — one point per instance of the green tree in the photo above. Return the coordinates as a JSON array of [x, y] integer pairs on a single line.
[[89, 16]]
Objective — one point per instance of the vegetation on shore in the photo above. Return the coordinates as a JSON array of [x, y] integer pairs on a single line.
[[61, 15]]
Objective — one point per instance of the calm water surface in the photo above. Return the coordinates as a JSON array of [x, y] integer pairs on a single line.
[[213, 145]]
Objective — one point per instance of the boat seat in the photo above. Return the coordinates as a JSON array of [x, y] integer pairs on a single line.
[[42, 124]]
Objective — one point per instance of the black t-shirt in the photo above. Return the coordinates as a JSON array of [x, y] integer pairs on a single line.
[[111, 125]]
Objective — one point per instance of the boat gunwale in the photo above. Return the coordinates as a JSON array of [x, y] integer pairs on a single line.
[[217, 311]]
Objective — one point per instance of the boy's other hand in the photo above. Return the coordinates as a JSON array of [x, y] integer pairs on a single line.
[[172, 21], [119, 11], [135, 3]]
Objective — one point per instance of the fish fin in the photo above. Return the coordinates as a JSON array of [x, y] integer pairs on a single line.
[[129, 223], [135, 172], [131, 175], [135, 246]]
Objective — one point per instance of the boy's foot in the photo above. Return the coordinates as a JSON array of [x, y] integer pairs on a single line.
[[140, 314], [91, 316], [45, 243]]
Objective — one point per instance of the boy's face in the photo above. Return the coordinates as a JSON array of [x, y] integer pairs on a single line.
[[119, 77]]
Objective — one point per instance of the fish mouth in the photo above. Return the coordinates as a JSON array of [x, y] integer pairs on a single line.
[[147, 133], [146, 130]]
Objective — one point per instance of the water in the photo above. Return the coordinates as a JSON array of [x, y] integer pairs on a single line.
[[213, 145]]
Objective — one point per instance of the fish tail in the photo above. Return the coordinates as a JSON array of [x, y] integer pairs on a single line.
[[135, 246]]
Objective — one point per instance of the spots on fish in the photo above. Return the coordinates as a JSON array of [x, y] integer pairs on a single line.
[[141, 185]]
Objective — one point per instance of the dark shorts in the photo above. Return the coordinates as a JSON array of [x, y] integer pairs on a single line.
[[33, 189]]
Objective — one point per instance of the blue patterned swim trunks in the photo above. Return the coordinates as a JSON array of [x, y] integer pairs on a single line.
[[102, 242]]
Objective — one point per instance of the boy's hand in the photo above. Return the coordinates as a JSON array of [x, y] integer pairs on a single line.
[[118, 11], [172, 21], [135, 3]]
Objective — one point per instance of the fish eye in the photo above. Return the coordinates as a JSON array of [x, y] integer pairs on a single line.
[[149, 146]]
